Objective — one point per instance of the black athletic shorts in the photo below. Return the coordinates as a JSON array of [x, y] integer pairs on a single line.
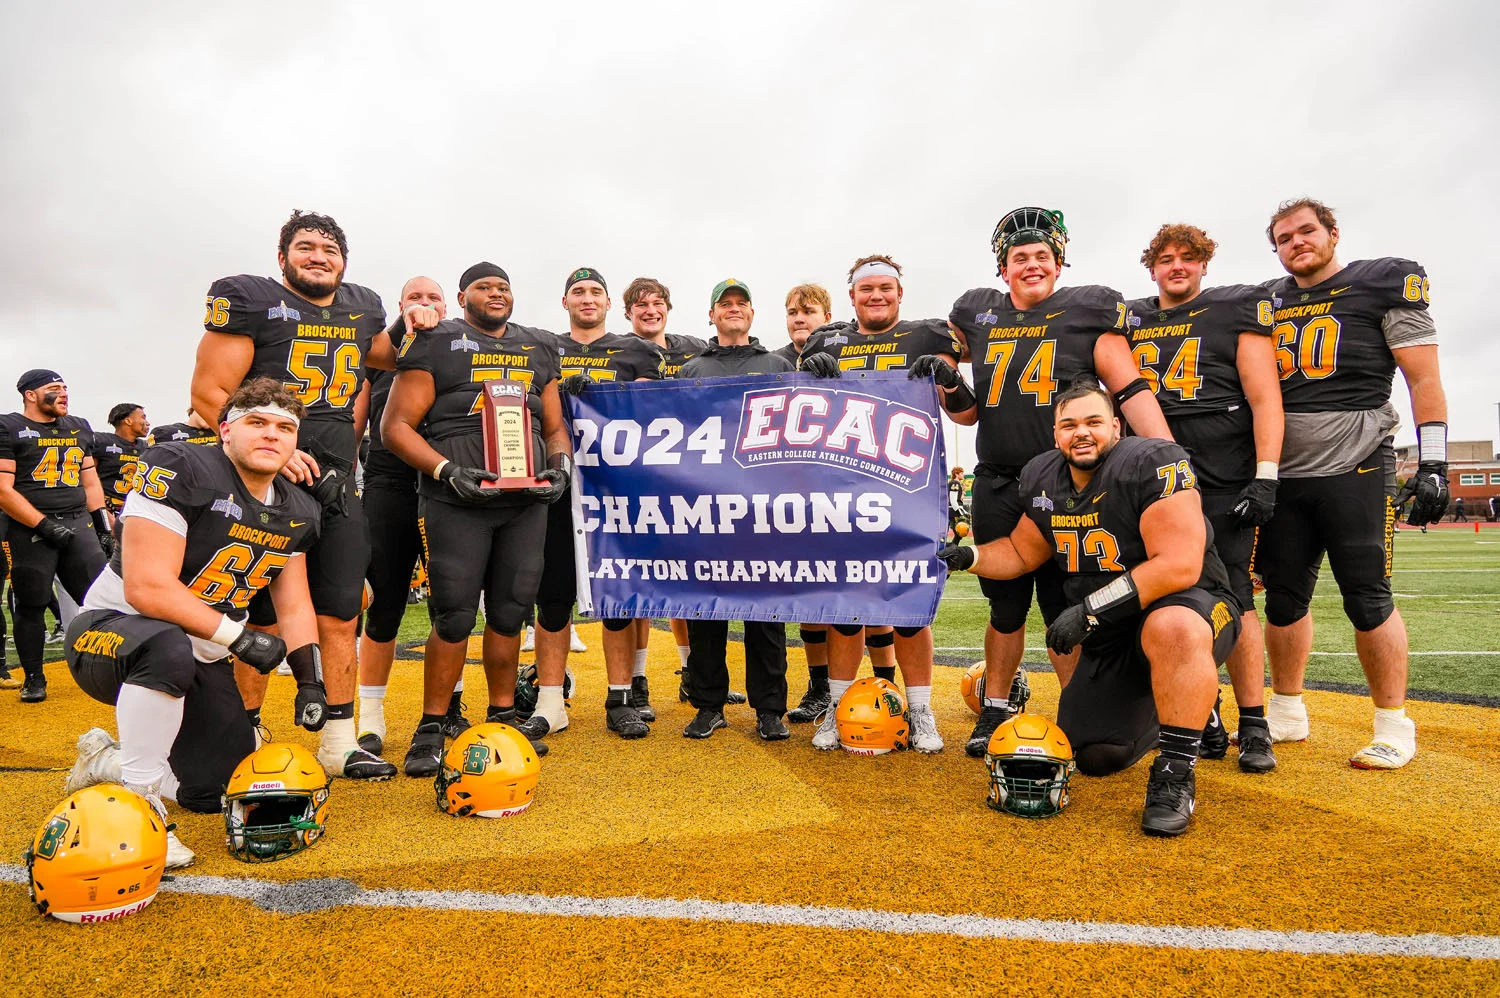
[[996, 509], [335, 566], [395, 546], [559, 586], [1109, 699], [34, 562], [106, 650], [477, 550], [1351, 517], [1235, 544]]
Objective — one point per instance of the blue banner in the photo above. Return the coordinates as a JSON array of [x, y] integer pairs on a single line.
[[766, 497]]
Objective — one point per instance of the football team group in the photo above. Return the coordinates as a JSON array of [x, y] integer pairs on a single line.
[[1137, 461]]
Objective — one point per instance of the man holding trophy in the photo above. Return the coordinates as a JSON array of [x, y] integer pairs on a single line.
[[492, 450]]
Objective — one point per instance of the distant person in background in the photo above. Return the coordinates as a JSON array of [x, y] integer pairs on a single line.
[[115, 453], [1458, 511]]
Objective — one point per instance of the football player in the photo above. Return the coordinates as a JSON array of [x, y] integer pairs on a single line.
[[1147, 596], [315, 333], [58, 527], [1026, 345], [880, 340], [390, 501], [115, 453], [205, 529], [193, 429], [734, 351], [588, 354], [480, 541], [1208, 356], [1341, 333]]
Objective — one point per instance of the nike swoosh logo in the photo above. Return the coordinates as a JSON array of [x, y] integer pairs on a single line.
[[1198, 312], [1366, 471], [900, 334], [1053, 315], [524, 347], [297, 523], [352, 316], [1101, 495], [1339, 291], [615, 351]]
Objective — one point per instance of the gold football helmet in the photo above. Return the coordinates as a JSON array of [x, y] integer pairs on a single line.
[[98, 857], [276, 803], [871, 717], [971, 686], [1030, 762], [490, 770]]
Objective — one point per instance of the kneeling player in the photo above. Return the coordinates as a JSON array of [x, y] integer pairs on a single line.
[[206, 530], [1150, 600]]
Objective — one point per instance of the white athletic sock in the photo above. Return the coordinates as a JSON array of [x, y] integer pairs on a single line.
[[337, 742], [549, 704], [148, 721], [618, 689], [372, 713], [682, 653], [170, 785], [918, 696], [1391, 725], [639, 668], [1285, 705], [372, 692], [836, 688], [988, 701], [458, 687]]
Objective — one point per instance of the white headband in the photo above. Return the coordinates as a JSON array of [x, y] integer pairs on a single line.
[[875, 268], [274, 411]]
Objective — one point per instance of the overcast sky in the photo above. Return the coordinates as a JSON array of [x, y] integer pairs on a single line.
[[149, 149]]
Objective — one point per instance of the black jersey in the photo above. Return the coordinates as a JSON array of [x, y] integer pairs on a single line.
[[1023, 358], [612, 357], [317, 352], [460, 359], [893, 349], [49, 459], [114, 457], [1331, 350], [379, 462], [1096, 534], [235, 544], [680, 349], [183, 432]]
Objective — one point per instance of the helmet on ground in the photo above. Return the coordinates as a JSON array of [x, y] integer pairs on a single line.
[[971, 686], [871, 717], [1030, 762], [98, 857], [528, 688], [276, 803], [490, 770]]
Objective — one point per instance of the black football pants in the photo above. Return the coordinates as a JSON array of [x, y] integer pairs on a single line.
[[765, 664], [34, 563]]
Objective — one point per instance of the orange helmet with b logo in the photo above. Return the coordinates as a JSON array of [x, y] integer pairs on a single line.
[[871, 717], [490, 771], [98, 857]]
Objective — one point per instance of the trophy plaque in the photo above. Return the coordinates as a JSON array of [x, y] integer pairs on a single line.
[[507, 435]]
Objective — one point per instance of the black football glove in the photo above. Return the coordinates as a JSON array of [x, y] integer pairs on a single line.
[[466, 482], [329, 491], [820, 365], [259, 650], [1256, 502], [558, 476], [53, 532], [959, 558], [575, 384], [102, 531], [1428, 490], [840, 328], [310, 708], [935, 367], [1070, 628]]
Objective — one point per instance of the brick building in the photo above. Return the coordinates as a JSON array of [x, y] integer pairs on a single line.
[[1473, 472]]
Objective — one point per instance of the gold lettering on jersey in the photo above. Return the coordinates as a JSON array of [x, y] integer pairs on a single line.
[[1079, 520], [858, 349], [327, 332], [493, 359], [98, 643], [1017, 332], [1302, 311], [1221, 617], [1180, 329], [576, 362], [265, 538], [57, 442]]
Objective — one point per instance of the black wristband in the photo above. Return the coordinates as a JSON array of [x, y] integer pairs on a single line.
[[1117, 601], [961, 399], [101, 520], [306, 663], [1132, 389]]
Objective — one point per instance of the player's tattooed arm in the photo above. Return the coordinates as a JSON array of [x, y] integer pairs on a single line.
[[224, 360], [1116, 368], [1024, 550], [1175, 535]]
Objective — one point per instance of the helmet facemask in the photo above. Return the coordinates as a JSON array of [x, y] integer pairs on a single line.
[[1028, 786], [262, 828], [1030, 225]]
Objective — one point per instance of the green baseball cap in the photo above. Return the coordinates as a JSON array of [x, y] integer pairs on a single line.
[[725, 286]]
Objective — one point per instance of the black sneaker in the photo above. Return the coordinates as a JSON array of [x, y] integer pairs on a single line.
[[705, 724], [34, 689], [733, 697], [361, 765], [372, 743], [682, 686], [990, 718], [1215, 743], [1169, 797], [425, 757], [768, 725], [640, 698], [454, 723], [1256, 755], [534, 727], [622, 718], [1020, 692], [814, 702]]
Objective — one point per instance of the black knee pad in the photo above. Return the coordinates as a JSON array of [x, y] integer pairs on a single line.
[[201, 800], [1368, 610], [848, 630], [455, 625], [383, 623], [1284, 609], [910, 632], [884, 640], [554, 617], [812, 637], [617, 623], [1104, 758], [1007, 617], [506, 619], [340, 606]]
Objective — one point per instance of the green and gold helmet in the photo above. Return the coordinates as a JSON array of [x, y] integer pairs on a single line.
[[1030, 225]]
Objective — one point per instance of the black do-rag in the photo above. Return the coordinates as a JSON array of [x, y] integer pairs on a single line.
[[36, 378], [482, 269], [585, 274]]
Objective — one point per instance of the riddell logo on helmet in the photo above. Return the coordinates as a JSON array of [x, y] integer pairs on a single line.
[[112, 916], [268, 785]]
